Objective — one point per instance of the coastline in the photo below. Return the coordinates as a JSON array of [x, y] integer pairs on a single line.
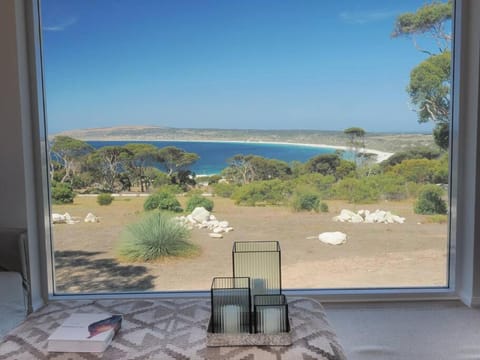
[[381, 155]]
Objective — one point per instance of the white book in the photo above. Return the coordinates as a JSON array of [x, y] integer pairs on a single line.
[[74, 335]]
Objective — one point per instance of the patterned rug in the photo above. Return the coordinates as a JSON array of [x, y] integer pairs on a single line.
[[170, 329]]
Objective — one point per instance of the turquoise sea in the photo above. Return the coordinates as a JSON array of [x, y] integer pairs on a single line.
[[214, 155]]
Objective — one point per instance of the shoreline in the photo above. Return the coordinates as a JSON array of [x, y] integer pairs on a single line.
[[381, 155]]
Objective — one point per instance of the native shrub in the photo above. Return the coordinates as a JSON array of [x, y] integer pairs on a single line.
[[323, 207], [155, 236], [417, 170], [104, 199], [198, 201], [223, 189], [321, 183], [354, 190], [306, 201], [270, 192], [430, 201], [62, 193], [162, 200]]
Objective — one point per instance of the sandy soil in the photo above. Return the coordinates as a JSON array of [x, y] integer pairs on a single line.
[[375, 255]]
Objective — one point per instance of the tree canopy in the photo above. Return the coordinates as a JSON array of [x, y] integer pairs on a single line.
[[175, 159], [67, 151], [429, 86]]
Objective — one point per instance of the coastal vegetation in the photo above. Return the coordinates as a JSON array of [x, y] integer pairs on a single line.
[[249, 180]]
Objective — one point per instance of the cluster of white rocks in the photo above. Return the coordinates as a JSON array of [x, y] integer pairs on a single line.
[[365, 216], [201, 218], [68, 219]]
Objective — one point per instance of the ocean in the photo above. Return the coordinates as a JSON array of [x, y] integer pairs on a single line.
[[214, 155]]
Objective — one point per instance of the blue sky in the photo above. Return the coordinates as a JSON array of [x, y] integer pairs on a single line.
[[245, 64]]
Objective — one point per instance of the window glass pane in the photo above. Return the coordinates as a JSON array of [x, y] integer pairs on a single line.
[[320, 125]]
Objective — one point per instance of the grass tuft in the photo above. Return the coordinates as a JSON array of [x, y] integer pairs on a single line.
[[155, 236]]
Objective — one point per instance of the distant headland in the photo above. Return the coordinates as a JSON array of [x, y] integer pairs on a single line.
[[386, 142]]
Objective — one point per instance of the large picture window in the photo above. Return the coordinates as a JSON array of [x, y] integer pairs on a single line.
[[177, 128]]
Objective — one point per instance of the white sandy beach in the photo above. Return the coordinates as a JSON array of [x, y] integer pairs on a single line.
[[381, 155]]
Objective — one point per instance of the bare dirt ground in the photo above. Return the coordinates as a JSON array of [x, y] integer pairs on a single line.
[[375, 255]]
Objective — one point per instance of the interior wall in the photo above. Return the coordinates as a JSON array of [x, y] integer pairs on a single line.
[[466, 109], [18, 205]]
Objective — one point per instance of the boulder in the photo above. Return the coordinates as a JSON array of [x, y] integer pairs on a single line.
[[200, 214], [333, 238], [345, 216], [215, 235], [58, 219], [356, 219], [90, 218]]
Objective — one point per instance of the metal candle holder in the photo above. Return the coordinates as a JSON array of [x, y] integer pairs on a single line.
[[231, 305], [261, 262]]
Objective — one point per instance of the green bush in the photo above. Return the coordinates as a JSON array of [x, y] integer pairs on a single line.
[[430, 201], [104, 199], [162, 200], [155, 236], [320, 183], [62, 193], [198, 201], [269, 192], [323, 207], [306, 201], [225, 190], [362, 190], [390, 187]]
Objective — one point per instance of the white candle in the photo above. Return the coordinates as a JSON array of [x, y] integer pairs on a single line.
[[271, 320], [231, 318]]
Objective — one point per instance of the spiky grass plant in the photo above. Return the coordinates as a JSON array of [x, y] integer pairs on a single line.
[[155, 236]]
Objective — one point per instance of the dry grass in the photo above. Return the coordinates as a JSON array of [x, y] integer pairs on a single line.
[[375, 255]]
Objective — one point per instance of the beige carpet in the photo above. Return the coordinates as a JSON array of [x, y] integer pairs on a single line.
[[171, 329]]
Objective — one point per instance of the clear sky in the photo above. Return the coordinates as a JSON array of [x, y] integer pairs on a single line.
[[245, 64]]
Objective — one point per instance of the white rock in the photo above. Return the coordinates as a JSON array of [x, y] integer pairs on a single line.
[[228, 229], [333, 238], [90, 218], [212, 217], [200, 214], [223, 224], [215, 235], [213, 223], [58, 219], [356, 219], [218, 230], [190, 219], [398, 219]]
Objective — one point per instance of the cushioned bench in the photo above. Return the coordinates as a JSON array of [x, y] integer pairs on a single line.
[[172, 329]]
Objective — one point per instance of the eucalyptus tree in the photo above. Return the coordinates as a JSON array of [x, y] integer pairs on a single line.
[[108, 164], [177, 164], [68, 153], [430, 81], [244, 169], [356, 141], [142, 157]]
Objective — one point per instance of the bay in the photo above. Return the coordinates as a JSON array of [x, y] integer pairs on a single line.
[[214, 155]]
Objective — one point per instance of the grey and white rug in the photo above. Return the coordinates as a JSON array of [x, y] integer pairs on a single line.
[[170, 329]]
